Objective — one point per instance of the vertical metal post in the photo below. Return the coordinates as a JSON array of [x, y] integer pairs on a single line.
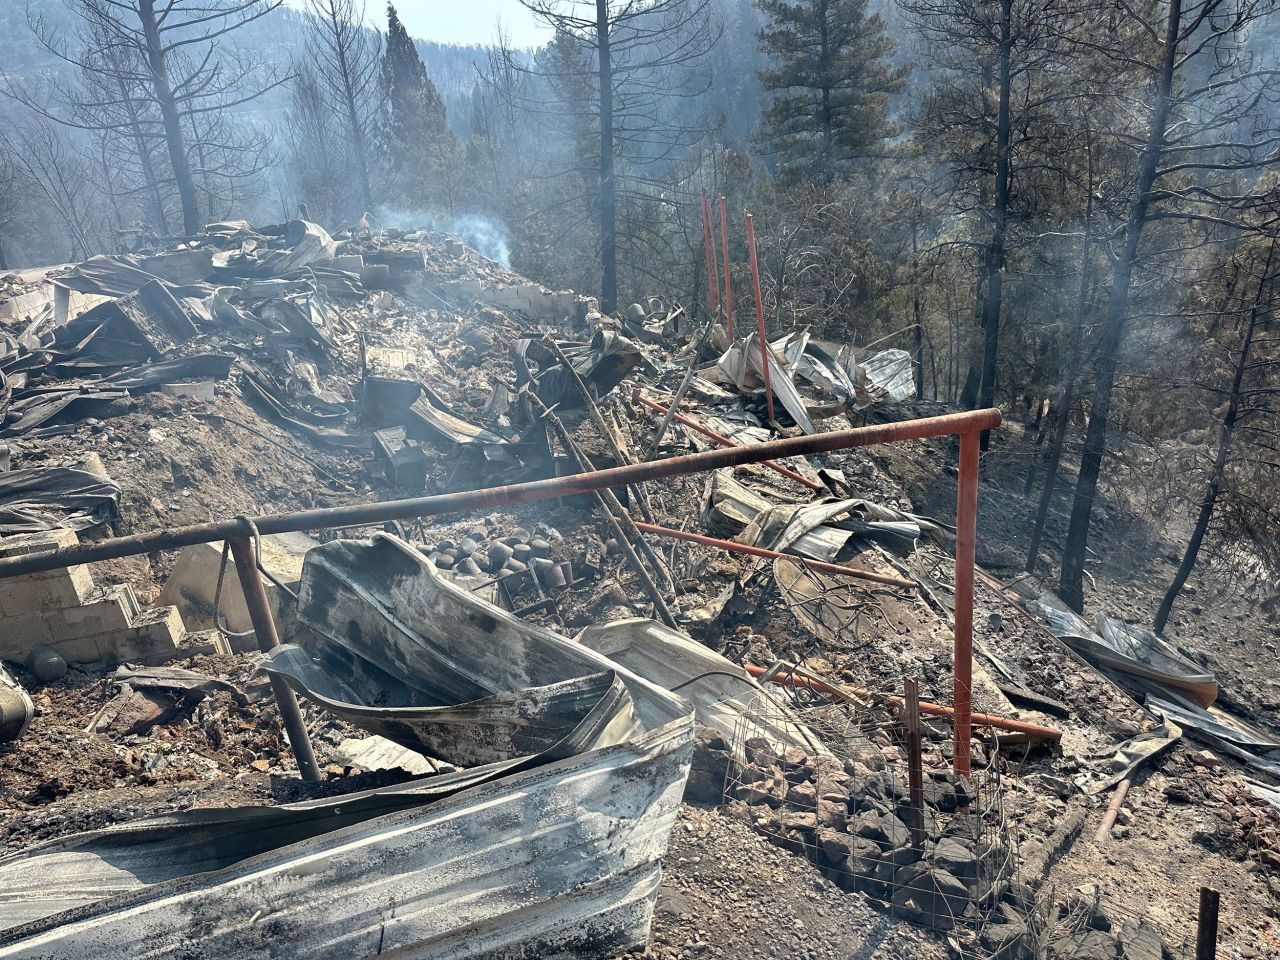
[[1207, 927], [915, 759], [728, 290], [255, 598], [966, 541], [709, 242], [764, 344]]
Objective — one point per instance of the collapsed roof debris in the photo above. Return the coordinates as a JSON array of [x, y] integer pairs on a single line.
[[502, 727]]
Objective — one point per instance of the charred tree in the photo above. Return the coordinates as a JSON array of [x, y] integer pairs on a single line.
[[153, 71], [1261, 311], [345, 55], [637, 61], [1206, 128]]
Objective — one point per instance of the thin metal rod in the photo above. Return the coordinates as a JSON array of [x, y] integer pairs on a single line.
[[1113, 810], [966, 545], [682, 389], [722, 440], [597, 418], [915, 759], [1207, 925], [734, 547], [728, 289], [264, 625], [709, 241], [370, 514], [616, 516], [1032, 730], [764, 344]]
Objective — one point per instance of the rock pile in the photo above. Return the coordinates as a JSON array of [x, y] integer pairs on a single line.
[[513, 557], [852, 819]]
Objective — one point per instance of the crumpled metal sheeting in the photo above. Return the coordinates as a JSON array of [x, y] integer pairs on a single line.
[[560, 860], [307, 243], [34, 409], [268, 397], [1117, 645], [42, 498], [816, 530], [723, 695], [890, 375], [740, 366], [382, 602], [150, 376], [601, 363], [446, 426], [106, 276], [1139, 651], [557, 720], [843, 382]]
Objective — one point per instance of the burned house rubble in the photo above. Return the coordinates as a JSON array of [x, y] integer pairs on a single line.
[[362, 597]]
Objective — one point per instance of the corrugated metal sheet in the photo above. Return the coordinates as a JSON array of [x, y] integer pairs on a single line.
[[533, 855]]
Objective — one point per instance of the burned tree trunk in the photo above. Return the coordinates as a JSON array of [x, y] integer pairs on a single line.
[[169, 116], [1071, 584], [1225, 436], [1053, 456], [995, 257]]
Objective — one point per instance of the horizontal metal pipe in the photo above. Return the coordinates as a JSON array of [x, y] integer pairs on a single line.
[[1033, 730], [734, 547], [722, 439], [366, 514]]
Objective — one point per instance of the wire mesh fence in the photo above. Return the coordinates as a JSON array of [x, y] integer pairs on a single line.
[[934, 849]]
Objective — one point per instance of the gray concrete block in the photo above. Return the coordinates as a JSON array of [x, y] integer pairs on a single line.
[[45, 592]]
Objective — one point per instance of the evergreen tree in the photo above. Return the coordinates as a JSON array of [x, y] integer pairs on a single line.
[[831, 78], [415, 130]]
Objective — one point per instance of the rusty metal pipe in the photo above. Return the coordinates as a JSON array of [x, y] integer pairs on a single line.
[[264, 625], [368, 514], [734, 547], [764, 343], [721, 439], [709, 240], [1113, 811], [966, 546], [1032, 730], [728, 290]]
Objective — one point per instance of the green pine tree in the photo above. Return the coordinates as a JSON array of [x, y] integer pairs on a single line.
[[415, 130], [831, 78]]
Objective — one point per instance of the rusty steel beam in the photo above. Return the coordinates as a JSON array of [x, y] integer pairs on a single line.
[[734, 547], [966, 547], [1031, 730], [264, 626], [721, 438], [368, 514], [728, 289], [713, 269]]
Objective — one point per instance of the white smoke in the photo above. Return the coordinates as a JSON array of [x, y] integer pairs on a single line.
[[485, 235]]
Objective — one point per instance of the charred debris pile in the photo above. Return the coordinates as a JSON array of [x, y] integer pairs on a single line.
[[508, 706]]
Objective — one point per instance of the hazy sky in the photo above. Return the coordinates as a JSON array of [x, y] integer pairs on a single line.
[[458, 21]]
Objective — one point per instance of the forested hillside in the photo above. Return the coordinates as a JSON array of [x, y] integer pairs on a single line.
[[1066, 210]]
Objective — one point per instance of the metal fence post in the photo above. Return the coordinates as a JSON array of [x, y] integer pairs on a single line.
[[966, 543], [264, 625], [1207, 927]]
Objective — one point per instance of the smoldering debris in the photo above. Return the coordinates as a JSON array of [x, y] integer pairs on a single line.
[[493, 705]]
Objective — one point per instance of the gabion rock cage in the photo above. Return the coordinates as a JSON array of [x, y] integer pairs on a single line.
[[850, 811]]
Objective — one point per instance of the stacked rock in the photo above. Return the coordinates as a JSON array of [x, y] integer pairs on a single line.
[[853, 822]]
